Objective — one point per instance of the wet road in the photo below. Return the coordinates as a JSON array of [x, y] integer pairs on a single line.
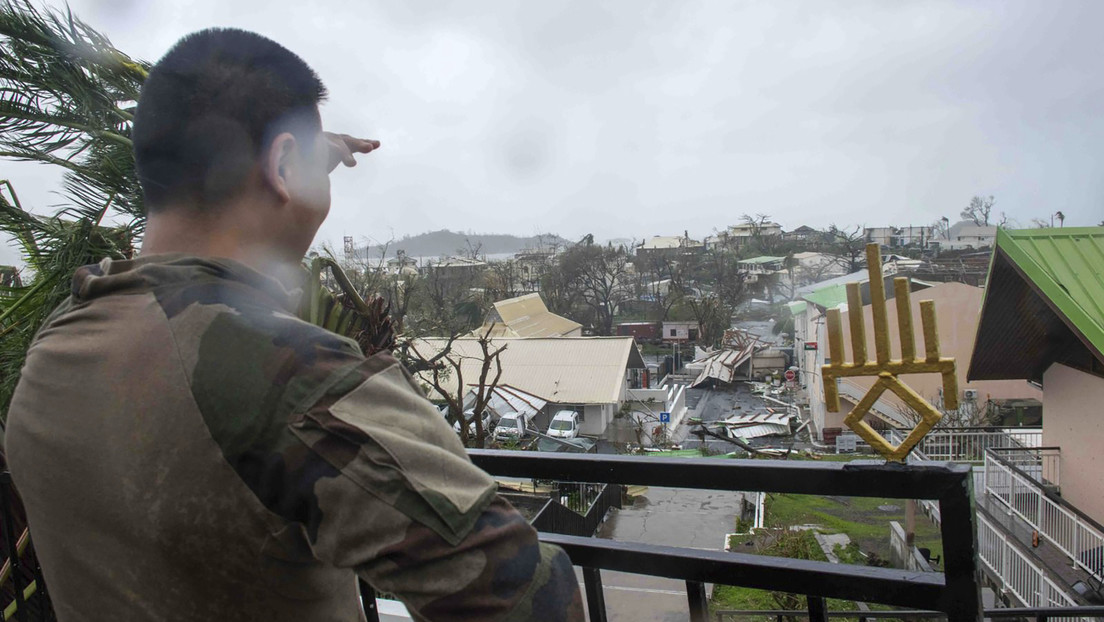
[[672, 517]]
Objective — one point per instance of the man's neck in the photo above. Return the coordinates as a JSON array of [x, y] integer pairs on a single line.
[[224, 235]]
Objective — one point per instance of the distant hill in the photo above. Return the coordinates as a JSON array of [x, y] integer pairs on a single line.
[[445, 242]]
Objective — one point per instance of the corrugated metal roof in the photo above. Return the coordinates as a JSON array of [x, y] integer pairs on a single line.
[[758, 425], [722, 364], [506, 399], [1067, 265], [828, 297], [797, 306], [834, 293], [566, 370], [762, 259], [1044, 303], [527, 316]]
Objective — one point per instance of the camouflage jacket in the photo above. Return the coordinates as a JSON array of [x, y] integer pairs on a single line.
[[188, 449]]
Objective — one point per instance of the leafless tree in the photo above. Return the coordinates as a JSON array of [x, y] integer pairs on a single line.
[[847, 246], [978, 210], [440, 368], [969, 414], [755, 223], [657, 276], [941, 229], [502, 281]]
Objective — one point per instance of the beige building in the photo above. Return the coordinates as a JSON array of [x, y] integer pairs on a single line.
[[591, 375], [957, 309]]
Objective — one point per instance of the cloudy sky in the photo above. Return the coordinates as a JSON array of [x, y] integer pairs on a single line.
[[634, 118]]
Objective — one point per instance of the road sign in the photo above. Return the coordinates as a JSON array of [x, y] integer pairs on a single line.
[[790, 375], [810, 345], [665, 417]]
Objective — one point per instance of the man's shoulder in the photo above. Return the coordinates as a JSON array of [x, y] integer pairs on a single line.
[[247, 357]]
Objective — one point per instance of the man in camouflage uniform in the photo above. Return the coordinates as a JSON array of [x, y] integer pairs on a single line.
[[189, 450]]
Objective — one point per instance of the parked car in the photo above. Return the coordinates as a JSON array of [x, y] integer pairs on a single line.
[[488, 423], [512, 427], [565, 424]]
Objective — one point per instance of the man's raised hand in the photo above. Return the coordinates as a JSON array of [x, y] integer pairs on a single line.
[[342, 147]]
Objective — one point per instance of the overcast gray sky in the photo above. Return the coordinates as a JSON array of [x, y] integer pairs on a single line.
[[634, 118]]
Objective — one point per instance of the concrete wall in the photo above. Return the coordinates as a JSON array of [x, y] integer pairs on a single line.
[[595, 419], [810, 326], [905, 556], [643, 395], [1073, 419]]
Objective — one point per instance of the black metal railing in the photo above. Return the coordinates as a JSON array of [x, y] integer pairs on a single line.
[[578, 518], [25, 597], [954, 593], [1040, 615]]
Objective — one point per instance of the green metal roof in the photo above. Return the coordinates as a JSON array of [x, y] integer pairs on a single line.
[[828, 297], [1067, 266], [835, 294], [796, 306]]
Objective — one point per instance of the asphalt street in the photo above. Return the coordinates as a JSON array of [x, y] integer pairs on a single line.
[[668, 516]]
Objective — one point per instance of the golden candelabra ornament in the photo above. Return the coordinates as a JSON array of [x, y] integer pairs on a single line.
[[886, 369]]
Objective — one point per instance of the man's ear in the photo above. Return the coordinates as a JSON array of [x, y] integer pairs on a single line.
[[277, 165]]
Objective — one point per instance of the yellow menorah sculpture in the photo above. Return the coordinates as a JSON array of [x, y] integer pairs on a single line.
[[885, 368]]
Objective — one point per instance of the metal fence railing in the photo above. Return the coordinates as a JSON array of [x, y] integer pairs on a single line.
[[1023, 493], [970, 444], [958, 444], [1016, 572], [579, 509], [955, 591], [1040, 614], [1015, 472], [1042, 464]]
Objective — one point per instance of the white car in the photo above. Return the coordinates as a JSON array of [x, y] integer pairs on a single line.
[[487, 423], [565, 424], [512, 427]]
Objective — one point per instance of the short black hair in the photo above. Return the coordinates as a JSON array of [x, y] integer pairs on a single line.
[[210, 107]]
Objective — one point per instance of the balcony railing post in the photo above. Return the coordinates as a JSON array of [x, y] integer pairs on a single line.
[[818, 610], [699, 605], [596, 598], [368, 601], [959, 531], [1076, 543], [10, 543]]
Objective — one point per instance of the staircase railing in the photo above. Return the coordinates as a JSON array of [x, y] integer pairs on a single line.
[[1024, 493]]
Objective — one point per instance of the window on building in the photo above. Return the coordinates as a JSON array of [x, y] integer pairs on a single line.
[[674, 332]]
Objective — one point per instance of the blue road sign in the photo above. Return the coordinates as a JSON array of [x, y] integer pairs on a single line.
[[665, 417]]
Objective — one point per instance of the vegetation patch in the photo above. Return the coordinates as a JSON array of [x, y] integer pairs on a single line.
[[864, 519]]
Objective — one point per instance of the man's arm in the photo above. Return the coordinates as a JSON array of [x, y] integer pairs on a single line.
[[395, 497]]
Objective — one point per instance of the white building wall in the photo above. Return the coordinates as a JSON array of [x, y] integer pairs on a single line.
[[595, 419]]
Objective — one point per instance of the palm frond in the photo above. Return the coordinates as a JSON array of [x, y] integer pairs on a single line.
[[346, 313]]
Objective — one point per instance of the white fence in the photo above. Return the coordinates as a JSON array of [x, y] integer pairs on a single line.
[[1019, 576], [1076, 537], [970, 444]]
